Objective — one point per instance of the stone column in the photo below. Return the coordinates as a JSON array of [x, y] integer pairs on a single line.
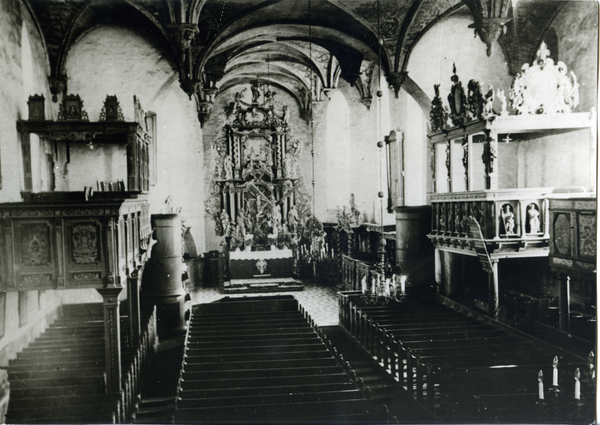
[[112, 338], [162, 280]]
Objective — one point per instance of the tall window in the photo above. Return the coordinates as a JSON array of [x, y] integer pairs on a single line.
[[338, 153]]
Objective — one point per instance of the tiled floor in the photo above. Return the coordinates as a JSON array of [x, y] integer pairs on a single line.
[[320, 301]]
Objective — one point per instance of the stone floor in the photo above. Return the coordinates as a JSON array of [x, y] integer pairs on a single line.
[[320, 301]]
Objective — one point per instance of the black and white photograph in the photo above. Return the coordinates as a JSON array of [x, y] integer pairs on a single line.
[[298, 212]]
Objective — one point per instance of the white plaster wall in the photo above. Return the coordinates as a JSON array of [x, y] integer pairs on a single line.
[[449, 42], [408, 118], [111, 60], [15, 88], [576, 27], [366, 158]]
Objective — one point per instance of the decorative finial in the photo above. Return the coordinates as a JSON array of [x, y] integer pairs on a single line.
[[543, 53]]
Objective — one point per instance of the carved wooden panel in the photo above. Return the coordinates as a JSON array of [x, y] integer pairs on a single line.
[[35, 247], [586, 229], [562, 233], [85, 243]]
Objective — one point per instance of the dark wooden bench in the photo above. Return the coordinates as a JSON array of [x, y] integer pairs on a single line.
[[276, 363], [266, 381], [250, 343], [345, 385], [260, 373], [102, 411], [258, 400], [301, 411], [254, 350], [191, 357]]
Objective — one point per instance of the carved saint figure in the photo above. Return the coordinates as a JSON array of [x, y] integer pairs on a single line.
[[533, 215], [255, 91], [284, 114], [489, 102], [509, 219], [292, 219], [502, 97], [227, 167], [225, 223]]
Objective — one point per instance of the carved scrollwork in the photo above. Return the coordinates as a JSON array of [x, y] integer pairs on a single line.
[[544, 87], [438, 114]]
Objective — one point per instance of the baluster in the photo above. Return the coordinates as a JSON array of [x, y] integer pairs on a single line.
[[367, 331], [402, 359], [352, 320], [373, 337], [393, 348], [409, 371], [430, 388], [419, 373], [386, 352], [361, 328]]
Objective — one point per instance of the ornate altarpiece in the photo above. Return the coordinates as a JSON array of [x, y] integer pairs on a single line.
[[258, 197]]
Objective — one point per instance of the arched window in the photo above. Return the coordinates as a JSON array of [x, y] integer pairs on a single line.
[[337, 149]]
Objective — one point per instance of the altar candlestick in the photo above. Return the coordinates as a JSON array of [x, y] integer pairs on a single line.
[[555, 371], [541, 384], [577, 384], [403, 284]]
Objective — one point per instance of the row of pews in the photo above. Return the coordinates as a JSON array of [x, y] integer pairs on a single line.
[[61, 376], [263, 359], [464, 367]]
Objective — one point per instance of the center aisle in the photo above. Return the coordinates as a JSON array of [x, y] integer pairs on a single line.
[[320, 301]]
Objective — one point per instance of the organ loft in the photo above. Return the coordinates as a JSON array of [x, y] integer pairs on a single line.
[[309, 211]]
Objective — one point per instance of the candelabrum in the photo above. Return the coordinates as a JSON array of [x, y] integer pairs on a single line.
[[383, 289]]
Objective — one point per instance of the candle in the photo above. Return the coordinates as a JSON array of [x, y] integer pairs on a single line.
[[555, 371], [577, 384], [541, 384]]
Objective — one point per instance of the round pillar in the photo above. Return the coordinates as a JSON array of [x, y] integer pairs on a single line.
[[162, 283]]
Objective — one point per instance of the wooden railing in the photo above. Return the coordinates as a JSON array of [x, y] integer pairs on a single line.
[[134, 362], [418, 377], [439, 387]]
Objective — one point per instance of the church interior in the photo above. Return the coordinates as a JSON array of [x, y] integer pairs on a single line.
[[298, 211]]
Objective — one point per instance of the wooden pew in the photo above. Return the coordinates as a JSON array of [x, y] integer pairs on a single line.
[[345, 385]]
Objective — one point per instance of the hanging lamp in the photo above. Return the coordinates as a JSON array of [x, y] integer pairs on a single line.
[[380, 145]]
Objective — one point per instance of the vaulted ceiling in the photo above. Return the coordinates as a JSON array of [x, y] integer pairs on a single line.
[[295, 45]]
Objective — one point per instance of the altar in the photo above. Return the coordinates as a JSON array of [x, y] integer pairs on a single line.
[[257, 196], [274, 264]]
